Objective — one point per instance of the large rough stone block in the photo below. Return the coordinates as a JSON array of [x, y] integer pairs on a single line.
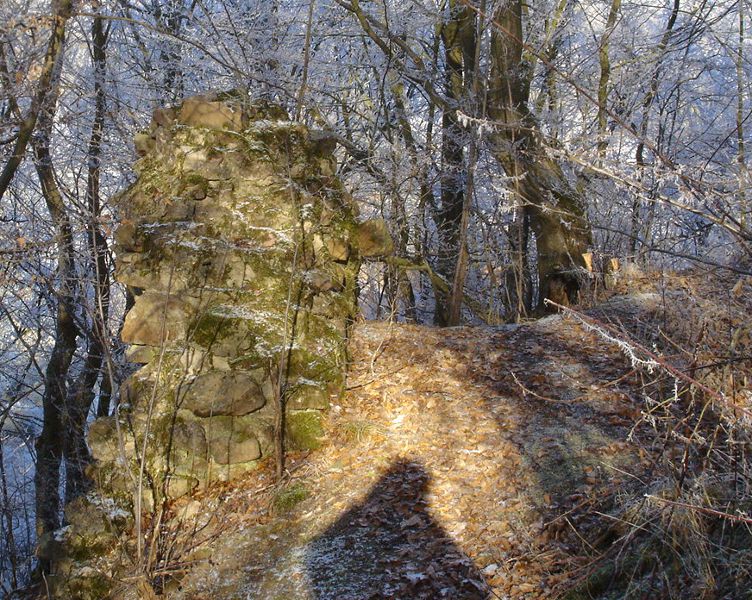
[[374, 239], [188, 441], [201, 112], [156, 318], [105, 443], [231, 444], [304, 430], [228, 393]]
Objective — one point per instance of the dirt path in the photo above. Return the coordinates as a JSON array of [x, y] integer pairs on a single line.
[[462, 463]]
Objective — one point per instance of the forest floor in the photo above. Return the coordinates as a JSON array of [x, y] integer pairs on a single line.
[[461, 463]]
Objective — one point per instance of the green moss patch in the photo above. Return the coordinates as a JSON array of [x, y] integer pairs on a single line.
[[286, 499], [304, 430]]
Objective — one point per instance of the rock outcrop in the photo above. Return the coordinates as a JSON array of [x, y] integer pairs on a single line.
[[241, 247]]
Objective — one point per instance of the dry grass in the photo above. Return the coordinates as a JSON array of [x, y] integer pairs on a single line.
[[688, 534]]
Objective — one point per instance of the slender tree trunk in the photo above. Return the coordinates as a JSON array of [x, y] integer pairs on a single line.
[[463, 259], [10, 104], [647, 103], [306, 61], [741, 159], [50, 443], [518, 281], [458, 36], [62, 10], [449, 214], [405, 288], [169, 16], [454, 309], [82, 393], [603, 82]]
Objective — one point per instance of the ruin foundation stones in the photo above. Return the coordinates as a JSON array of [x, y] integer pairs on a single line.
[[242, 250]]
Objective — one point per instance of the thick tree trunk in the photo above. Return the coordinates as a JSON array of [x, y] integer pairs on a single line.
[[556, 210]]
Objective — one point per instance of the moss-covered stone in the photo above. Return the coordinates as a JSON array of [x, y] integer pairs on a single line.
[[155, 319], [234, 393], [309, 396], [85, 584], [374, 239], [94, 524], [106, 443], [304, 429], [242, 248]]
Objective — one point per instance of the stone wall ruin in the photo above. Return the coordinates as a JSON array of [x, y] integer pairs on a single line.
[[241, 247]]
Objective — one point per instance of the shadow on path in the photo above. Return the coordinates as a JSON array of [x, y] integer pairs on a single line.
[[389, 546]]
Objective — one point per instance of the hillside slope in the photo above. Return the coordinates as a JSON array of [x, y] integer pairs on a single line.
[[462, 463]]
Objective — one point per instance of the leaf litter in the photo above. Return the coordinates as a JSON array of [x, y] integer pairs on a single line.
[[461, 463]]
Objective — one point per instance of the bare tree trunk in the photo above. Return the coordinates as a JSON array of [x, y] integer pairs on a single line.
[[454, 310], [169, 16], [647, 103], [741, 159], [548, 96], [556, 210], [518, 281], [49, 444], [449, 214], [474, 34], [458, 36], [425, 195], [82, 394], [603, 82], [62, 10], [306, 61]]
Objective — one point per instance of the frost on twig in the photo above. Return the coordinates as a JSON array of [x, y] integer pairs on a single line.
[[630, 351]]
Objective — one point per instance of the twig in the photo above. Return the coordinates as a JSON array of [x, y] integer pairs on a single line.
[[623, 340], [702, 509], [577, 533], [374, 379], [526, 390]]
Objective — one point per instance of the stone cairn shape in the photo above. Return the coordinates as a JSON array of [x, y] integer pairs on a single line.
[[242, 249]]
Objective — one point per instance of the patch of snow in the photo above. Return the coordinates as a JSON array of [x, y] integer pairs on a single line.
[[61, 534]]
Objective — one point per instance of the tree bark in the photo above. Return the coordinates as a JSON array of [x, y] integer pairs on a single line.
[[519, 288], [604, 80], [458, 36], [647, 103], [62, 11], [82, 394], [741, 159], [50, 443], [556, 209], [473, 35]]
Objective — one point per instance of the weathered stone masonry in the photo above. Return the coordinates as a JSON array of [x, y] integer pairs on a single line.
[[242, 248]]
